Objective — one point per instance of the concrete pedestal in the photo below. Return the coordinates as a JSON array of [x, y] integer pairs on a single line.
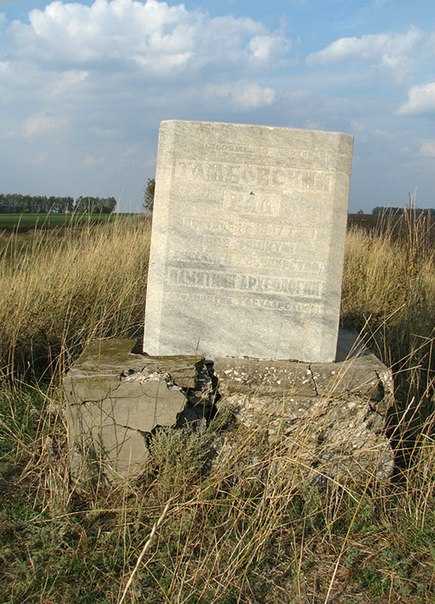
[[116, 399]]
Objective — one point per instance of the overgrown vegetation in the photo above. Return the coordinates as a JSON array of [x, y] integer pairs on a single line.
[[249, 529], [60, 292], [389, 293]]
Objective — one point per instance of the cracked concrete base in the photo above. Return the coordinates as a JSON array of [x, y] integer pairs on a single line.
[[333, 413], [330, 415], [115, 399]]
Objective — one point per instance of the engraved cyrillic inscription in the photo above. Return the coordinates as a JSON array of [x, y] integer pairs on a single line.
[[208, 279], [248, 241], [255, 175], [265, 303], [262, 204], [229, 255], [297, 156], [237, 227]]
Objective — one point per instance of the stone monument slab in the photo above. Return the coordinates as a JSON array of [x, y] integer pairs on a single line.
[[247, 241]]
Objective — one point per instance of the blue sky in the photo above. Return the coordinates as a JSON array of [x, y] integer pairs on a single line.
[[84, 85]]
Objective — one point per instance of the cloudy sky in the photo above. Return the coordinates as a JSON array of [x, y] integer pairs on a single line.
[[84, 85]]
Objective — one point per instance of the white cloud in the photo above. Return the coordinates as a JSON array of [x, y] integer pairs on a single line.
[[88, 81], [40, 124], [265, 47], [85, 84], [155, 37], [244, 95], [421, 99], [390, 50], [428, 148], [92, 66]]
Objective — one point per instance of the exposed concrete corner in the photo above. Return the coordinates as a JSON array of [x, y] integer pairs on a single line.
[[115, 399]]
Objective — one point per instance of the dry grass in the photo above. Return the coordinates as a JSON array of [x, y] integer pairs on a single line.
[[60, 292], [382, 280], [391, 284], [389, 294], [251, 528]]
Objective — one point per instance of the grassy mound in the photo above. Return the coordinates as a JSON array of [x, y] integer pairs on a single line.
[[250, 528]]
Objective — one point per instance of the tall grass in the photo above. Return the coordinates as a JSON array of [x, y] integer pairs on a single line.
[[249, 526], [58, 293], [389, 294], [390, 280]]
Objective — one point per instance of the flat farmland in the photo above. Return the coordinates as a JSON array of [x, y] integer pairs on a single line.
[[26, 222]]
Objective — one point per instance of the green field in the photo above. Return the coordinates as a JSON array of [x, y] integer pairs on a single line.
[[26, 222]]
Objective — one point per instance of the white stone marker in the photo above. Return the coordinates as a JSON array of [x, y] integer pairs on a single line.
[[247, 241]]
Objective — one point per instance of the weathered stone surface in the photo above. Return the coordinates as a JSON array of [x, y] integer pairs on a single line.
[[111, 431], [115, 399], [250, 375], [247, 241], [332, 415], [366, 376], [104, 358]]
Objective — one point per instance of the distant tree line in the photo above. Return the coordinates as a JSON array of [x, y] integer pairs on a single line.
[[390, 211], [16, 203], [95, 205]]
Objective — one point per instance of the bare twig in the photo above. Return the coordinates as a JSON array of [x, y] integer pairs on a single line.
[[145, 549]]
